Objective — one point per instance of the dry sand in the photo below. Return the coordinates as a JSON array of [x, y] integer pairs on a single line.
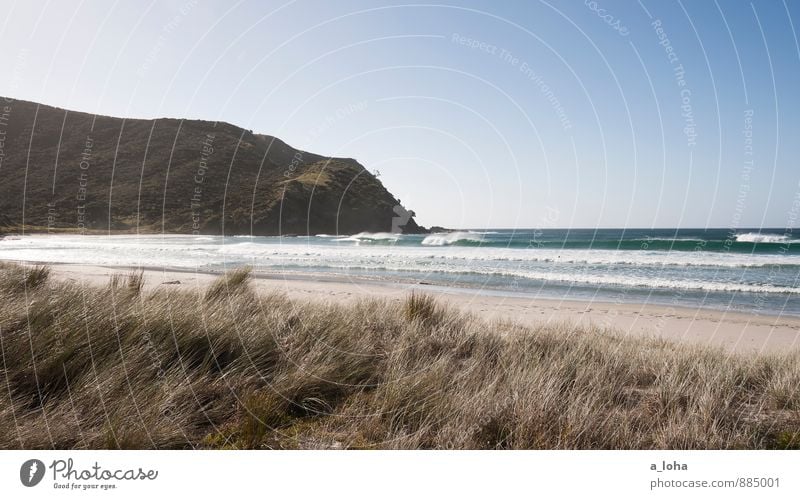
[[732, 331]]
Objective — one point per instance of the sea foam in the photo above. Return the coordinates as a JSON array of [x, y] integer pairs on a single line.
[[756, 237], [448, 238]]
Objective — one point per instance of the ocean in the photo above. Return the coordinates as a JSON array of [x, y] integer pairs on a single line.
[[748, 270]]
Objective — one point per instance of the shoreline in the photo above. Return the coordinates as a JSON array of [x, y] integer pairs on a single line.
[[734, 332]]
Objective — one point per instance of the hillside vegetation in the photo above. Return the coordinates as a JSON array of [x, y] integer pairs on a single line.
[[72, 171], [224, 367]]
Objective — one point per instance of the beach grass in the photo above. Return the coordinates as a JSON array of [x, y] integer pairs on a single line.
[[226, 367]]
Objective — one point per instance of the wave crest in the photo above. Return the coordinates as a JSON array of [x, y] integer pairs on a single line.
[[757, 237], [448, 238], [371, 237]]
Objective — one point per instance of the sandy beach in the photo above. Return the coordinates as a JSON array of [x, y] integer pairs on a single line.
[[731, 331]]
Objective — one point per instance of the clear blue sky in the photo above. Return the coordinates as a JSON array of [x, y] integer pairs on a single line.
[[476, 113]]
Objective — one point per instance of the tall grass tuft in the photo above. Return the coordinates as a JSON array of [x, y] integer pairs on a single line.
[[36, 276], [421, 307], [19, 278], [167, 369], [229, 283], [135, 281]]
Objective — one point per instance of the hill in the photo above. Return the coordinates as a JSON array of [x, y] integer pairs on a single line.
[[71, 171]]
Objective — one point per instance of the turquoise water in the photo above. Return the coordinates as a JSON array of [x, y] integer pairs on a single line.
[[755, 270]]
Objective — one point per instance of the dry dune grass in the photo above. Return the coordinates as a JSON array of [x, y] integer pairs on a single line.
[[118, 368]]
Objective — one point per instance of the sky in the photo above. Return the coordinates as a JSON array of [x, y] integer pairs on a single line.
[[533, 114]]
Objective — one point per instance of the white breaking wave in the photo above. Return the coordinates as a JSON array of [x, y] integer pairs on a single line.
[[692, 270], [448, 238], [370, 237], [597, 280], [157, 249], [755, 237]]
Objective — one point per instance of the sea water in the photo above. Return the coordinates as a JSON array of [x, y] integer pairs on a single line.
[[751, 270]]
